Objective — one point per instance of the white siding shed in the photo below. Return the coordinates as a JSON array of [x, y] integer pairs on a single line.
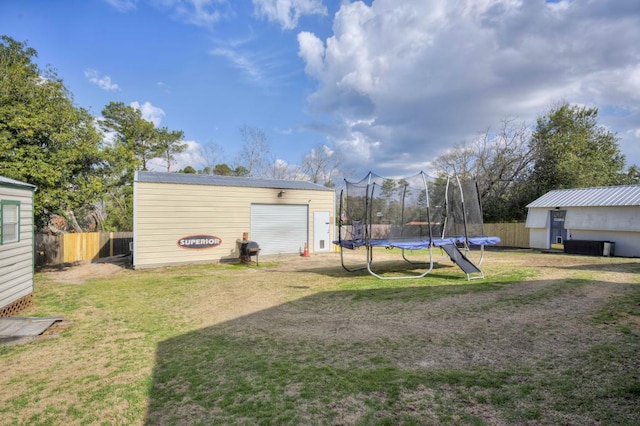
[[606, 214], [16, 245], [187, 218]]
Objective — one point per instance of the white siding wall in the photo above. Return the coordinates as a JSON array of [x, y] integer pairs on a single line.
[[16, 259], [618, 224], [539, 238], [625, 219], [164, 213], [538, 224], [537, 218]]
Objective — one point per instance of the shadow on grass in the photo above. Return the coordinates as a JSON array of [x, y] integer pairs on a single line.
[[397, 267], [388, 263], [632, 267], [413, 355]]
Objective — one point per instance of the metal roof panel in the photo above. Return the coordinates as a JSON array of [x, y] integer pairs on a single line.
[[604, 196], [14, 182], [215, 180]]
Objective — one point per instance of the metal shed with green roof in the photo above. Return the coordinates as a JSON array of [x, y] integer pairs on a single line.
[[568, 217], [189, 218]]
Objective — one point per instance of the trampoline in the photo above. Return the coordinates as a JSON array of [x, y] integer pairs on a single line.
[[413, 214]]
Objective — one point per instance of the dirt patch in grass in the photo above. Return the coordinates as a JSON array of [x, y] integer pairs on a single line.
[[81, 272], [497, 328]]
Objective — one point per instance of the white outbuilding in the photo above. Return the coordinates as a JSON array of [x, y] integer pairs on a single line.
[[188, 218], [16, 245], [600, 221]]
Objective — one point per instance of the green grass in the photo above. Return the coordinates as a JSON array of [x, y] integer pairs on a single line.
[[150, 347], [620, 309], [254, 376]]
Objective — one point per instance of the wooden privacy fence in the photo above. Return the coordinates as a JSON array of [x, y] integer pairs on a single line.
[[65, 248], [511, 234]]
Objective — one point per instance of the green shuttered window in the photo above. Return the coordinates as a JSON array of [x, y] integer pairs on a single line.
[[10, 220]]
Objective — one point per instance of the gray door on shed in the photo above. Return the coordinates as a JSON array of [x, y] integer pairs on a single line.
[[279, 228], [557, 233]]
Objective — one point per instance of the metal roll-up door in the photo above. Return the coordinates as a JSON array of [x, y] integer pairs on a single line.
[[279, 229]]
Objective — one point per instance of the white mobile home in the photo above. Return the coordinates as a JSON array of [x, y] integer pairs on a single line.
[[605, 217], [187, 218], [16, 245]]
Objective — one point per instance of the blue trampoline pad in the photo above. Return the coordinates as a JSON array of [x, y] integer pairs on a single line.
[[418, 244]]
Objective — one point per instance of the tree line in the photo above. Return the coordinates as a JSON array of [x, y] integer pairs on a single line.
[[322, 165], [84, 166], [515, 164]]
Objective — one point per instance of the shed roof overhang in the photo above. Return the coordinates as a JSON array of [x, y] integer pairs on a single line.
[[215, 180], [7, 182]]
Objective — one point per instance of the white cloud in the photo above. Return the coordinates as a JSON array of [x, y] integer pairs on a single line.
[[312, 51], [280, 163], [288, 12], [405, 80], [102, 81], [122, 5], [268, 69], [189, 157], [202, 13], [149, 112], [288, 131], [163, 86], [240, 61]]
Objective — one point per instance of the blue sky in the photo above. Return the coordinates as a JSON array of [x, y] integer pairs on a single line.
[[390, 84]]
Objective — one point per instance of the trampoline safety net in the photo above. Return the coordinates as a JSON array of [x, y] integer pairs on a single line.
[[412, 213]]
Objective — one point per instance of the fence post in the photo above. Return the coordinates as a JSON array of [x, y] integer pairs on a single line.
[[110, 244]]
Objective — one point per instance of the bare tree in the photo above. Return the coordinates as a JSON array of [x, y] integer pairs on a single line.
[[281, 170], [322, 165], [459, 160], [255, 150], [496, 159], [500, 161], [210, 155], [503, 157]]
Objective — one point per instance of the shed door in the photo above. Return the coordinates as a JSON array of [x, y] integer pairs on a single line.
[[321, 231], [557, 232], [279, 228]]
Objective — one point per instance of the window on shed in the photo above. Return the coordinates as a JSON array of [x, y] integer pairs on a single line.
[[10, 219]]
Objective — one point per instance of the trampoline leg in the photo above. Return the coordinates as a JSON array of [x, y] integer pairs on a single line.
[[468, 254], [403, 277], [481, 255], [360, 268]]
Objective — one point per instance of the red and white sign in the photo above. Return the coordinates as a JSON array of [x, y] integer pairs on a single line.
[[199, 241]]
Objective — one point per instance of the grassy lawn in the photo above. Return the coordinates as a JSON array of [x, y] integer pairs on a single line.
[[543, 339]]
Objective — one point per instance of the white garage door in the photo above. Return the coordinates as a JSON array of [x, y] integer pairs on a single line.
[[279, 228]]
